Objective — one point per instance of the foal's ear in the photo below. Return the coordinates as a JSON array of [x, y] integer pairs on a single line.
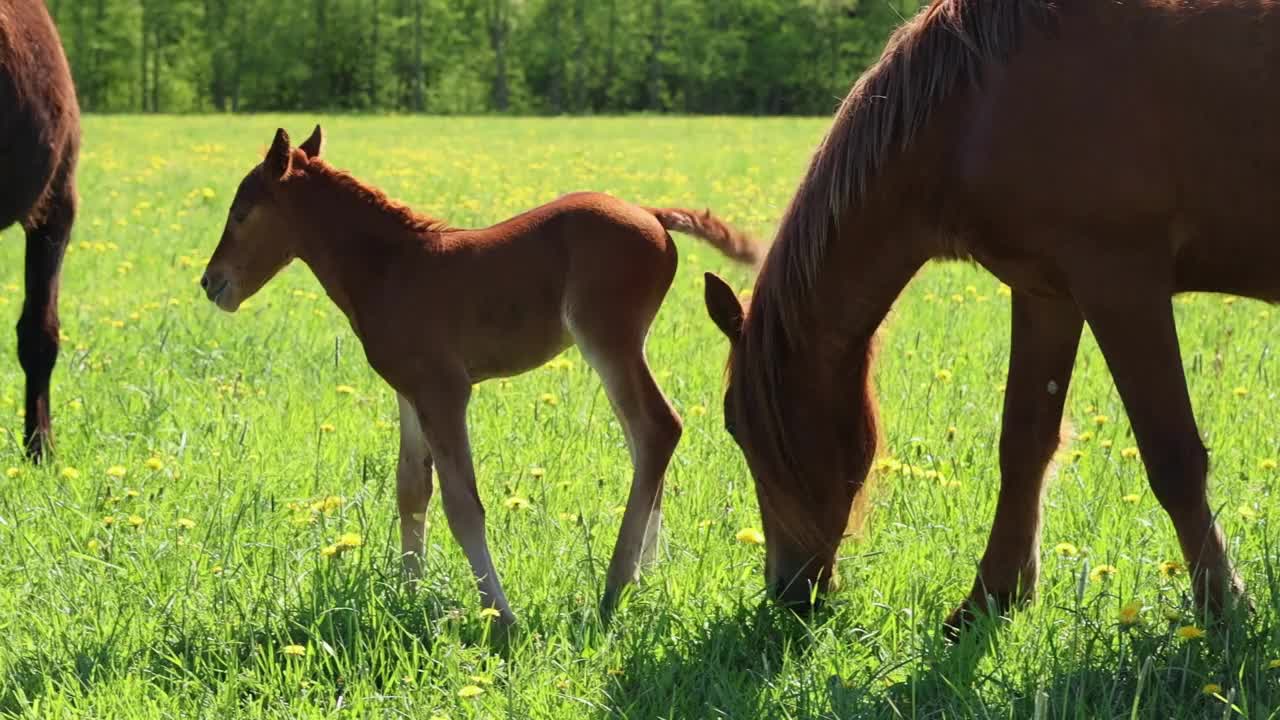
[[314, 145], [723, 306], [279, 158]]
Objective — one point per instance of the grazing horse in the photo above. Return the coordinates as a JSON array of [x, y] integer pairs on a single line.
[[39, 144], [1096, 157], [438, 309]]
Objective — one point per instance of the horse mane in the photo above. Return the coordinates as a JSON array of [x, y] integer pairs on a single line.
[[372, 197], [943, 49]]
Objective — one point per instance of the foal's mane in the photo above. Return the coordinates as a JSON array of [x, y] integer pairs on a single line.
[[372, 197], [943, 49]]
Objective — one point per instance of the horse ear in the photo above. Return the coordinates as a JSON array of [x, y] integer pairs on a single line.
[[314, 145], [723, 306], [279, 158]]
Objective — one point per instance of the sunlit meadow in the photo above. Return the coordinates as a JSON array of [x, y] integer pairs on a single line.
[[217, 535]]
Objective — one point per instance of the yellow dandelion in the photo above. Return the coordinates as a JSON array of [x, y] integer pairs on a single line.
[[549, 399], [345, 390], [490, 614], [216, 570], [1066, 549], [1102, 572], [12, 472], [108, 521], [329, 551], [117, 471], [951, 431], [136, 520], [537, 472], [131, 493], [93, 546], [943, 375], [1171, 568], [185, 524], [750, 536], [568, 517], [470, 691], [327, 427], [1100, 420], [294, 650], [1240, 391], [697, 410], [70, 473], [350, 540], [1131, 498], [515, 502], [1189, 632], [1131, 613], [1085, 436], [331, 503], [1129, 453], [1106, 444], [1267, 464], [154, 463], [1212, 689]]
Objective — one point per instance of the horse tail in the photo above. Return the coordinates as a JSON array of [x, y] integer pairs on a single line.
[[732, 242]]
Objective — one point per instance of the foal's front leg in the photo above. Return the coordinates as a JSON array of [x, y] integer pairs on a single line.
[[413, 488], [442, 412], [1045, 336]]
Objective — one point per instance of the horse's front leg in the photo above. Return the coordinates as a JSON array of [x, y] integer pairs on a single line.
[[413, 488], [1045, 336], [442, 413]]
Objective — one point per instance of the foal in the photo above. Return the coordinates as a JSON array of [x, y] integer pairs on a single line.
[[438, 309]]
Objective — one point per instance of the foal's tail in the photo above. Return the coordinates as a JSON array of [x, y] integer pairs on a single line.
[[730, 241]]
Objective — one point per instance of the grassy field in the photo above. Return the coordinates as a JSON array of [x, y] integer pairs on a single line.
[[169, 562]]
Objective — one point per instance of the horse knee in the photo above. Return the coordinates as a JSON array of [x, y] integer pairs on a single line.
[[1178, 476], [1028, 451], [665, 433]]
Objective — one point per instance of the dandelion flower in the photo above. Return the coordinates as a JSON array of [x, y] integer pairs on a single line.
[[136, 520], [109, 520], [216, 570], [12, 472], [1212, 689], [329, 551], [345, 390], [1100, 420], [943, 375], [1240, 391], [70, 473], [1102, 572], [185, 524], [490, 614], [697, 410], [1189, 632], [1106, 444], [537, 472], [549, 399], [1267, 464], [93, 546], [350, 540], [116, 471], [470, 691], [327, 427], [154, 463], [1131, 613], [1171, 568], [750, 536], [1085, 436], [1131, 498], [568, 517], [1129, 453], [295, 650], [1066, 549], [515, 502], [131, 493]]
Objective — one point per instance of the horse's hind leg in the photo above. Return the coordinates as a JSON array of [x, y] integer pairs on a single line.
[[1135, 329], [652, 430], [38, 326], [1045, 337]]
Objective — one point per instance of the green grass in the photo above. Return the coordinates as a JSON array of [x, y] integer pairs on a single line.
[[161, 621]]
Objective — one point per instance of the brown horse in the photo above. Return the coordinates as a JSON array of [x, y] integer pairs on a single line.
[[39, 144], [1098, 158], [438, 309]]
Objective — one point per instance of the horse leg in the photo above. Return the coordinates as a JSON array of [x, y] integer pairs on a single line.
[[1045, 336], [652, 430], [413, 488], [38, 326], [442, 413], [1139, 340]]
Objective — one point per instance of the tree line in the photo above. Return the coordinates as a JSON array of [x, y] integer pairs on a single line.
[[760, 57]]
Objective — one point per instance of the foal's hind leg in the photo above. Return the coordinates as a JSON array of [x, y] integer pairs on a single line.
[[1045, 336], [652, 430], [413, 488], [38, 326], [1136, 332]]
